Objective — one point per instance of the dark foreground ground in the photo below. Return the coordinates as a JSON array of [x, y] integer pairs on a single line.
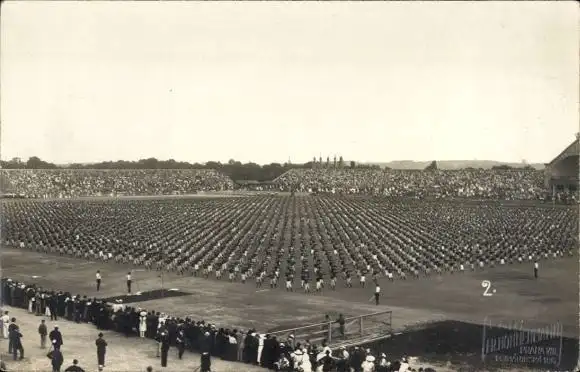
[[440, 317]]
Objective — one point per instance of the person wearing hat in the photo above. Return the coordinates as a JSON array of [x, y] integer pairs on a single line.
[[342, 360], [11, 329], [369, 363], [56, 338], [180, 342], [302, 360], [327, 361], [404, 365], [43, 332], [164, 339], [101, 349], [15, 340], [142, 323], [205, 362], [56, 360], [75, 367], [382, 363]]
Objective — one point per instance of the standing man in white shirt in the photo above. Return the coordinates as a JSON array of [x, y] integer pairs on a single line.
[[129, 282], [536, 267], [98, 277], [377, 293]]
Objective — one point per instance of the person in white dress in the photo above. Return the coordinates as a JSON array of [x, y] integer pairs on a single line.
[[404, 365], [142, 323], [303, 361], [369, 364], [5, 324]]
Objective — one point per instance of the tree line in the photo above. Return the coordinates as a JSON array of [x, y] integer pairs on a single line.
[[236, 170]]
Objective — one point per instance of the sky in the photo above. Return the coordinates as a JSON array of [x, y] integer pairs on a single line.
[[272, 81]]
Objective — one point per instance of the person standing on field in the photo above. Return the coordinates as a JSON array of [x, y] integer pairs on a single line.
[[129, 282], [43, 332], [98, 278], [101, 350]]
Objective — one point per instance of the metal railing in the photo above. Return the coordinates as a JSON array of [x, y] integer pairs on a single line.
[[354, 327]]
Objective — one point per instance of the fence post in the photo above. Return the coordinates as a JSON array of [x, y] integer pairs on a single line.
[[361, 326], [329, 333]]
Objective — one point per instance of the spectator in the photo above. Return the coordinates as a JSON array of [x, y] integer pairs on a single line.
[[56, 360], [11, 328], [43, 332], [5, 324], [101, 349], [56, 338], [16, 341], [205, 362], [75, 367], [70, 183]]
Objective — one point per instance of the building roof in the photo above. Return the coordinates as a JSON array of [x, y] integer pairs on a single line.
[[572, 150]]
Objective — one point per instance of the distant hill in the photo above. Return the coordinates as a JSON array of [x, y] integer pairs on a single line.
[[452, 164]]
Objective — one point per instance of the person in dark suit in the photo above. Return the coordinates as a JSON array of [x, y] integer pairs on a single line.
[[101, 349], [11, 329], [205, 362], [164, 337], [129, 282], [15, 339], [56, 360], [75, 367], [180, 341], [56, 338]]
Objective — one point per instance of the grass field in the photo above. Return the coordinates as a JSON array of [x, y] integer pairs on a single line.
[[551, 298]]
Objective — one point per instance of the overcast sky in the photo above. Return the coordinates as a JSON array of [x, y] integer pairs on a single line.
[[267, 81]]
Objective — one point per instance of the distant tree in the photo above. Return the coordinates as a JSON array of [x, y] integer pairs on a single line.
[[501, 167], [334, 162], [432, 166], [34, 162], [352, 164], [327, 161], [340, 162]]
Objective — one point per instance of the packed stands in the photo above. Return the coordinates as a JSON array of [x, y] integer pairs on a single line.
[[300, 238], [513, 184], [70, 183]]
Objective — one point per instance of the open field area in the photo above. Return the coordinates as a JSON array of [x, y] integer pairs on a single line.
[[518, 297], [268, 226]]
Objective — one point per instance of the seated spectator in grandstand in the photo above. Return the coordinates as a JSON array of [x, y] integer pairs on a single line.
[[464, 183], [70, 183]]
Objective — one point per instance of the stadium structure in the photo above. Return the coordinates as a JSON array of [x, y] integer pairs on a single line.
[[561, 174]]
